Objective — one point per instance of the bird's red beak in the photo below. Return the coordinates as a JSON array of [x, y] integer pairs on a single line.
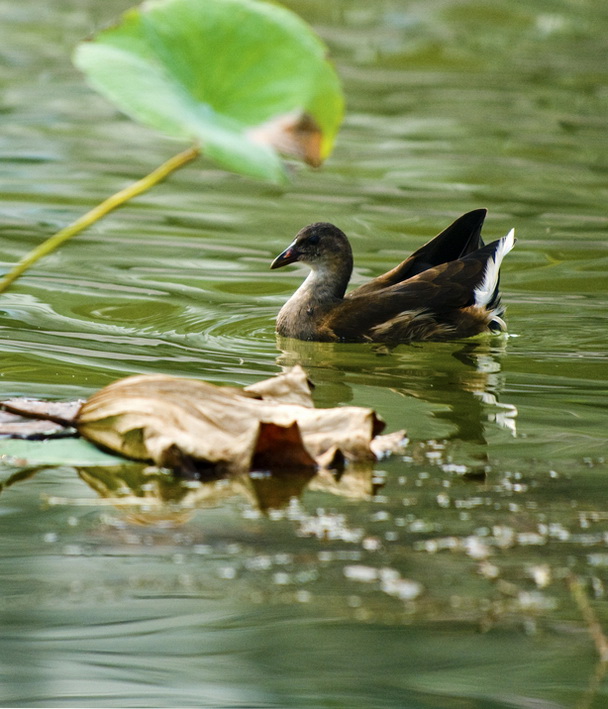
[[290, 255]]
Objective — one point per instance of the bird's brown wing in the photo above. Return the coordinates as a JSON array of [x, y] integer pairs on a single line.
[[439, 290], [462, 237]]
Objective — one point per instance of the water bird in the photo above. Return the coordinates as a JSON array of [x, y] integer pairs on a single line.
[[447, 289]]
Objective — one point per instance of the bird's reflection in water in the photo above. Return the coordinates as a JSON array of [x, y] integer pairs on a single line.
[[461, 382]]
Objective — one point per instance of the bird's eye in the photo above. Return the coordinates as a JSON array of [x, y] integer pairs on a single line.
[[313, 239]]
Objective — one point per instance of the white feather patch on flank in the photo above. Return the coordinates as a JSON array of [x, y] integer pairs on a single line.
[[485, 290]]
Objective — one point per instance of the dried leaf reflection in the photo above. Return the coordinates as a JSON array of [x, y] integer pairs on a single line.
[[148, 495]]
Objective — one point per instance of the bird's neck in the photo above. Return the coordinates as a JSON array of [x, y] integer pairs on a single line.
[[326, 282], [322, 290]]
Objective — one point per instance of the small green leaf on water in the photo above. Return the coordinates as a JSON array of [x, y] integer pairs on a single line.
[[61, 451], [245, 78]]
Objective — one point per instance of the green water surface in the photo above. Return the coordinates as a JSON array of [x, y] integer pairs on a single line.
[[464, 573]]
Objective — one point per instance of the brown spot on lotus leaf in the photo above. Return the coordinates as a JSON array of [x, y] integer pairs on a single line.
[[295, 134]]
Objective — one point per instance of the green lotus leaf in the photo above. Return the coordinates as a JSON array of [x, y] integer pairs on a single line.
[[60, 451], [247, 79]]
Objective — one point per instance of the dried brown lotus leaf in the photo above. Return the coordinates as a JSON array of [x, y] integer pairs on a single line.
[[276, 444], [16, 426], [143, 417], [36, 419], [63, 412], [150, 417], [293, 387]]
